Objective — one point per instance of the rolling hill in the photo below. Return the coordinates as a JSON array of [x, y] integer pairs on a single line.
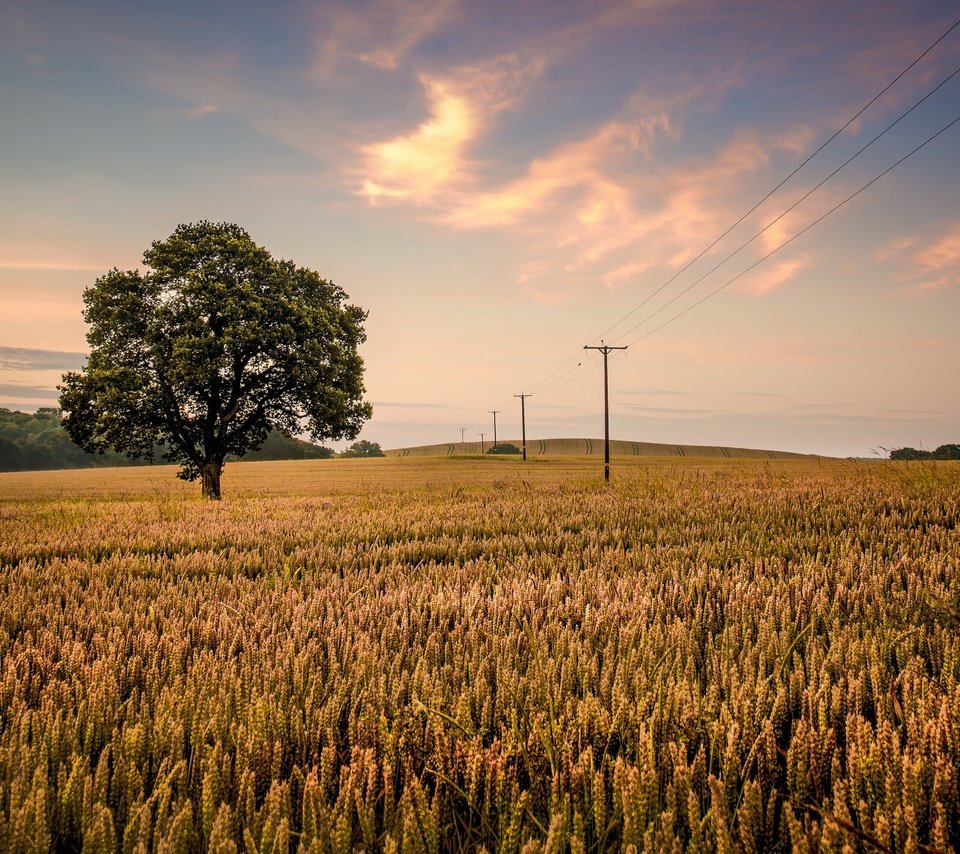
[[594, 447]]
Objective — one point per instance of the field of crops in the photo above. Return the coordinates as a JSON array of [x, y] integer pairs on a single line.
[[441, 655]]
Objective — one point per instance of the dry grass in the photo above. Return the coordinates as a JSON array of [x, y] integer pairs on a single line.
[[448, 655]]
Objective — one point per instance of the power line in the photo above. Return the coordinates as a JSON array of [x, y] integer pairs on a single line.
[[577, 355], [563, 376], [494, 412], [803, 231], [551, 382], [799, 201], [572, 379], [523, 423], [793, 172], [606, 350]]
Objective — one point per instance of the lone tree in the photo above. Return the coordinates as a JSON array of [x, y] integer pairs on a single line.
[[217, 344]]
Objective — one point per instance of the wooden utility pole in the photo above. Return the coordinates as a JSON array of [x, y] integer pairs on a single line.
[[463, 447], [481, 435], [523, 423], [605, 349], [494, 413]]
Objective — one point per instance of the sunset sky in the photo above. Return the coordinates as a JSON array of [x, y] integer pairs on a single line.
[[500, 184]]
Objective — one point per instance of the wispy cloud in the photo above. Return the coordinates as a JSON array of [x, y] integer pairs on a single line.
[[626, 272], [611, 205], [27, 359], [598, 206], [657, 392], [36, 264], [392, 404], [199, 111], [924, 265], [893, 248], [754, 350], [379, 33], [27, 392], [815, 407], [668, 410], [215, 83], [577, 171], [417, 165], [431, 164], [933, 412], [939, 261], [769, 278]]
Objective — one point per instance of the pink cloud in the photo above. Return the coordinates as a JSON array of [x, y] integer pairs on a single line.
[[52, 247], [741, 350], [575, 170], [213, 83], [875, 67], [770, 278], [199, 111], [432, 161], [893, 248], [624, 273], [39, 264], [943, 253], [932, 266], [609, 206], [415, 166], [379, 34], [936, 284], [597, 210]]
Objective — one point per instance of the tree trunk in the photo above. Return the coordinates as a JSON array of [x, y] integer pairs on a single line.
[[211, 479]]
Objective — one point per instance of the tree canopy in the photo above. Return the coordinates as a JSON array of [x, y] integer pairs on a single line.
[[503, 448], [944, 452], [210, 349], [363, 448], [37, 442]]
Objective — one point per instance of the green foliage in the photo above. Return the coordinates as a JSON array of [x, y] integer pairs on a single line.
[[363, 448], [214, 347], [38, 442], [944, 452], [282, 446], [503, 448]]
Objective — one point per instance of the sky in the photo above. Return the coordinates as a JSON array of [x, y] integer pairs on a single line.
[[500, 184]]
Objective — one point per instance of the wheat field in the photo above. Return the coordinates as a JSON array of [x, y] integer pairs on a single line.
[[426, 655]]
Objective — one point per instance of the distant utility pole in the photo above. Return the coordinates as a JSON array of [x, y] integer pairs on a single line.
[[481, 435], [494, 412], [605, 349], [462, 445], [523, 423]]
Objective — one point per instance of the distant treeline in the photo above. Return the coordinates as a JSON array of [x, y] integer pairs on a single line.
[[944, 452], [36, 442]]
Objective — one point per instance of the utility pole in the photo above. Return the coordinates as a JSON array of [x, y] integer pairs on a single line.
[[494, 413], [463, 447], [605, 349], [481, 435], [523, 422]]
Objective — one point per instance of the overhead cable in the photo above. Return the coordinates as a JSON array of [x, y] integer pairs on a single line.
[[783, 181], [799, 201], [803, 231]]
